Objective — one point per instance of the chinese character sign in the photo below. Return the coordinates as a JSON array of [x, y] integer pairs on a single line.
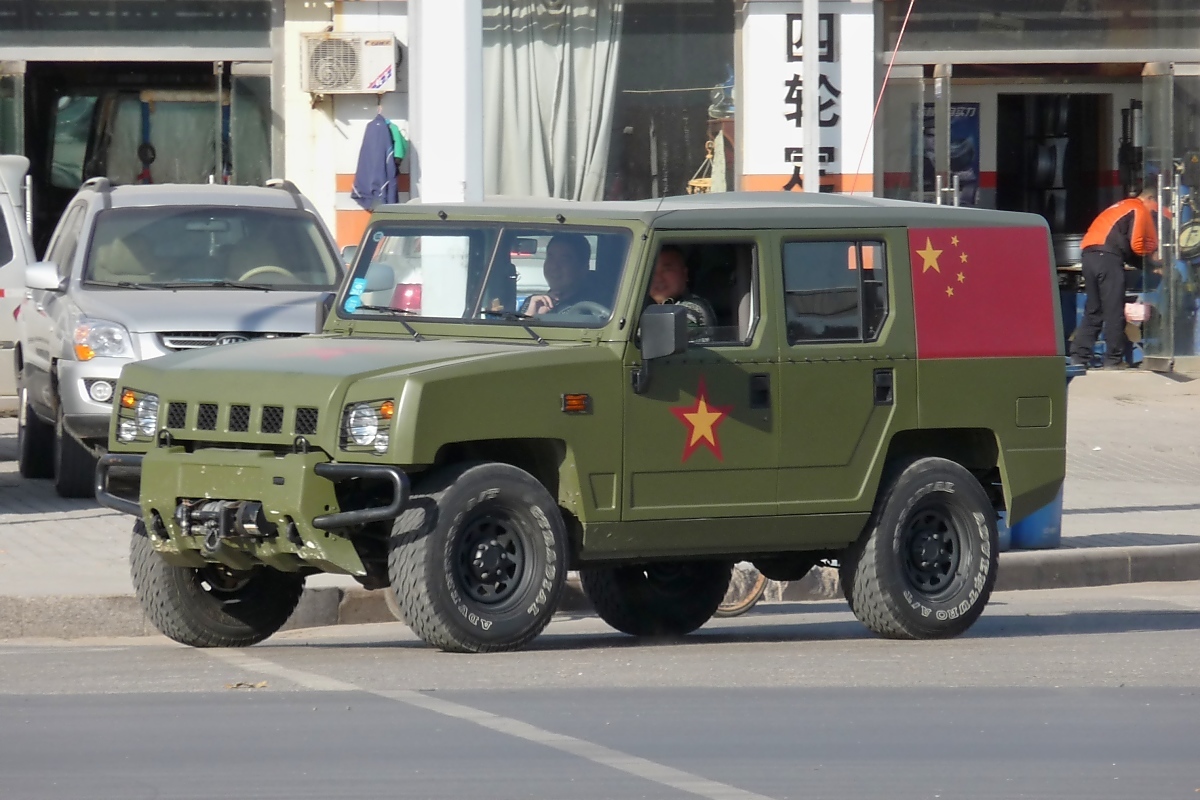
[[772, 143]]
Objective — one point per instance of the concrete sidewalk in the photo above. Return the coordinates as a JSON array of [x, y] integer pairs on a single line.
[[1133, 490]]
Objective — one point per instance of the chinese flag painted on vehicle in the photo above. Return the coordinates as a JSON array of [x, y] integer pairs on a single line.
[[983, 292]]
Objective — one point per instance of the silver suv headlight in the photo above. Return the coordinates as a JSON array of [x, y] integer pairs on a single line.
[[365, 425], [98, 338]]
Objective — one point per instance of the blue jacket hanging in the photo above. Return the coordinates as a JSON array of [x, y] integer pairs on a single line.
[[375, 178]]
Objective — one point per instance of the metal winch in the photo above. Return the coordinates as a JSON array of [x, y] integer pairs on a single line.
[[220, 520]]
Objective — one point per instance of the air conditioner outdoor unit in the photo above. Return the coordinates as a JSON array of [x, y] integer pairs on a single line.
[[348, 63]]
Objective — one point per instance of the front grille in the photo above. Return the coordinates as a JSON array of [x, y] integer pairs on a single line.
[[206, 417], [194, 340], [187, 341], [176, 415], [272, 419], [239, 418], [306, 420]]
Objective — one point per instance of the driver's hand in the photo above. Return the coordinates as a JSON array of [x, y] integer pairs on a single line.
[[539, 304]]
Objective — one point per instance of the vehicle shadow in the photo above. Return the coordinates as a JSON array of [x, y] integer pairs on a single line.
[[779, 623]]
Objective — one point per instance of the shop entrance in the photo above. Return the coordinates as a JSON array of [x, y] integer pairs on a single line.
[[1170, 158], [138, 122]]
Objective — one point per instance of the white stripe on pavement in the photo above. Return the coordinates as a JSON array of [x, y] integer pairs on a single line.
[[598, 754]]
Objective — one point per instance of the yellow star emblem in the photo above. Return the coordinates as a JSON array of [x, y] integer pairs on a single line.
[[702, 420], [949, 291], [961, 277], [954, 241], [930, 257], [962, 257]]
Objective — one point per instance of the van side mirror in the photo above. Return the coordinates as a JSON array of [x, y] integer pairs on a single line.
[[380, 277], [663, 332], [348, 253], [43, 275]]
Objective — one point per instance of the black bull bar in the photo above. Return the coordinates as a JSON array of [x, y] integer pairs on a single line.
[[334, 472]]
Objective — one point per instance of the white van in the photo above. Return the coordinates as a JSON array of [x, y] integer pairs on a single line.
[[16, 251]]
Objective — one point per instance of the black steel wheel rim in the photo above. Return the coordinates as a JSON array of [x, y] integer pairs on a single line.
[[221, 582], [932, 549], [490, 559]]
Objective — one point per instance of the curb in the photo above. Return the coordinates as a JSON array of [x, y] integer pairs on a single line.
[[72, 617]]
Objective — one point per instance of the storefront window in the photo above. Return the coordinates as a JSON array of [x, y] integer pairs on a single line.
[[76, 23], [608, 99], [944, 25]]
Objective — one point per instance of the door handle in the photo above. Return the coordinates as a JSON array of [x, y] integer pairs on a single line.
[[883, 387], [760, 391]]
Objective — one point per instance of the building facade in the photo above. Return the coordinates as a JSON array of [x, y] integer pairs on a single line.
[[1057, 107]]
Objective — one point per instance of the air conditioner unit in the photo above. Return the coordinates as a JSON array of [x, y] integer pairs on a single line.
[[348, 63]]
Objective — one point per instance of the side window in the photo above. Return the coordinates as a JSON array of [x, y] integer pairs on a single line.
[[66, 240], [717, 282], [834, 291], [6, 248]]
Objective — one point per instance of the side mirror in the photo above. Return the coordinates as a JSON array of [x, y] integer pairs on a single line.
[[664, 332], [348, 253], [380, 277], [43, 275]]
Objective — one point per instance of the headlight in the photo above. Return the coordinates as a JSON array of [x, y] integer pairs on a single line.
[[146, 414], [127, 430], [362, 424], [366, 425], [100, 338]]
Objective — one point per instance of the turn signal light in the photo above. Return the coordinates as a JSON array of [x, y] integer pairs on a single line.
[[128, 399], [576, 403], [387, 409], [84, 353]]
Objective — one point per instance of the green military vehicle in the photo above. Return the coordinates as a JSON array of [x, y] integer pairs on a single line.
[[507, 391]]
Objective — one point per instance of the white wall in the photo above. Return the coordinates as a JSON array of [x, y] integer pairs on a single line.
[[322, 138]]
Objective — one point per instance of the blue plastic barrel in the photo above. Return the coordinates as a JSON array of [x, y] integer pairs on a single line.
[[1003, 530], [1042, 529]]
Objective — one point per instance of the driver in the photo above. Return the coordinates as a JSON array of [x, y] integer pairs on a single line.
[[567, 275]]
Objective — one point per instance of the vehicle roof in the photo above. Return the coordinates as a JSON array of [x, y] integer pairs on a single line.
[[725, 210], [197, 194]]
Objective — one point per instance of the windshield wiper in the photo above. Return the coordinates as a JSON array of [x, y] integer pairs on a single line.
[[389, 310], [508, 315], [513, 316], [220, 284], [118, 284]]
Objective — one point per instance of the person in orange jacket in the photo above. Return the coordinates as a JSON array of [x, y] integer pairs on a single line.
[[1122, 234]]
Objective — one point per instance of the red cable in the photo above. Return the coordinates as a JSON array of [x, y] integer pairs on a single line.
[[879, 102]]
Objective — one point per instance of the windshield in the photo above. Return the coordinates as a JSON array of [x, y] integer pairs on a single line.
[[211, 246], [554, 276]]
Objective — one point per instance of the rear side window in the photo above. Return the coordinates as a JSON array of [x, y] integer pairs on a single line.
[[835, 291]]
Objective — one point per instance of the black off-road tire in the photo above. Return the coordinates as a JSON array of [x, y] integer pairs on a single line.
[[478, 558], [178, 604], [74, 465], [35, 441], [928, 560], [662, 599]]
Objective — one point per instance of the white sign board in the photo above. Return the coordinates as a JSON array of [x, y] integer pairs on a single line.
[[772, 67]]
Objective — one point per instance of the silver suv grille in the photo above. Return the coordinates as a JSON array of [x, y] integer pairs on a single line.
[[193, 340]]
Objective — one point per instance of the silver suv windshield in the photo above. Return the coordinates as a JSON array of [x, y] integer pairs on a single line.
[[210, 246], [549, 275]]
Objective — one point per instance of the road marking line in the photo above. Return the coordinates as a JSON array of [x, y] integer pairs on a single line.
[[590, 751]]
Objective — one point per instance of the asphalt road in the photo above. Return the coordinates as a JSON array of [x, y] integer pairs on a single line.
[[1089, 693]]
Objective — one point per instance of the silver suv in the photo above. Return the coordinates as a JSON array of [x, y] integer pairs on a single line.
[[136, 272]]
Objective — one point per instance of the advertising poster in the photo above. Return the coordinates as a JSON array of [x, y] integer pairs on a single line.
[[964, 150]]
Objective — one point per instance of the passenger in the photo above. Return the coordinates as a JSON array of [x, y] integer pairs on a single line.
[[567, 275], [669, 284]]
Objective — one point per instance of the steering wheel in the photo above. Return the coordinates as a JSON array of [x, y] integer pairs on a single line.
[[587, 307], [268, 269]]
